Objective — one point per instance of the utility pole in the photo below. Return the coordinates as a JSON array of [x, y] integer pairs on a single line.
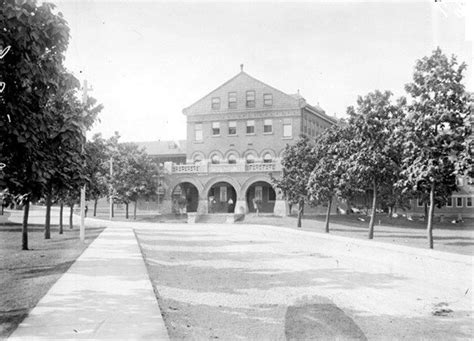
[[111, 200], [82, 229]]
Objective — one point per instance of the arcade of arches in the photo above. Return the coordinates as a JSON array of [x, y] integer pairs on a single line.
[[222, 195]]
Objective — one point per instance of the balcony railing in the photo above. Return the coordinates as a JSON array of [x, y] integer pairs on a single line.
[[207, 167]]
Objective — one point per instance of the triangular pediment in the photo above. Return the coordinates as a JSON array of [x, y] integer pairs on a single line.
[[240, 84]]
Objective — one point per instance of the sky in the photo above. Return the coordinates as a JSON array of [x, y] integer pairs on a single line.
[[146, 61]]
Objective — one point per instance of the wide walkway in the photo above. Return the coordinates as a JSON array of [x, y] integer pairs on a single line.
[[270, 283], [106, 294]]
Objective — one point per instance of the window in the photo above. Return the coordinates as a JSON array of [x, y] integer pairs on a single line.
[[458, 202], [420, 202], [287, 128], [470, 181], [216, 103], [232, 159], [267, 126], [469, 202], [449, 202], [258, 193], [216, 128], [198, 132], [232, 100], [267, 158], [232, 127], [215, 159], [459, 181], [305, 125], [267, 100], [250, 127], [250, 158], [250, 99]]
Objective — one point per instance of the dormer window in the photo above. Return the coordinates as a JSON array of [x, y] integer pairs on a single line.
[[250, 99], [267, 100], [232, 96], [216, 103]]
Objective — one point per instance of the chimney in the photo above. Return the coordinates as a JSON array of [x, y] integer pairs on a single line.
[[241, 67]]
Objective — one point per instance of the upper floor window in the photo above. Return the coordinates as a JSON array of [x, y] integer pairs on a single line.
[[250, 99], [287, 128], [215, 159], [232, 159], [232, 127], [267, 100], [216, 103], [198, 132], [459, 202], [267, 158], [250, 158], [267, 126], [251, 127], [469, 201], [459, 181], [232, 96], [216, 128]]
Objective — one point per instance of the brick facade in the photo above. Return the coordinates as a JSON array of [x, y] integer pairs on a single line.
[[235, 137]]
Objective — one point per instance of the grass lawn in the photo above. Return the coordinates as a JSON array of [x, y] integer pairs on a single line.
[[457, 238], [26, 276]]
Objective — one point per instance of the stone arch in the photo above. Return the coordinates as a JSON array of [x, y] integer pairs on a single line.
[[231, 151], [218, 153], [197, 153], [250, 151], [221, 178], [251, 180], [176, 182], [268, 150]]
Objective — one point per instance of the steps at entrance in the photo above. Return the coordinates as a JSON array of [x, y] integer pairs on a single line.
[[217, 218]]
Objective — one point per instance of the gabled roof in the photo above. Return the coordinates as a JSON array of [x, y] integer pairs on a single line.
[[243, 75], [163, 147]]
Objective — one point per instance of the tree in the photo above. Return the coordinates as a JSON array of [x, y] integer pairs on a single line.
[[97, 169], [298, 162], [328, 178], [38, 39], [70, 119], [134, 176], [437, 129], [372, 163]]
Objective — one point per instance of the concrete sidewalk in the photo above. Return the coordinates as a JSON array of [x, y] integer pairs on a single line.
[[106, 294]]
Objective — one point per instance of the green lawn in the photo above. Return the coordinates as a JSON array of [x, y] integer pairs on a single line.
[[457, 238], [26, 276]]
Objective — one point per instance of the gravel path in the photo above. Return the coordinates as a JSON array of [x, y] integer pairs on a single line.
[[255, 282]]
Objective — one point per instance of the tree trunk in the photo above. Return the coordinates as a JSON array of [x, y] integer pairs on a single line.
[[429, 227], [47, 223], [328, 214], [95, 207], [126, 210], [24, 226], [135, 210], [61, 209], [372, 216], [426, 211], [71, 211], [113, 209], [300, 212]]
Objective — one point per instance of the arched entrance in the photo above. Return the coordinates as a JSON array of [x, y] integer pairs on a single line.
[[221, 198], [262, 195], [185, 198]]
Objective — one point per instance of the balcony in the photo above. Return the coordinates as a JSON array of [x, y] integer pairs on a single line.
[[207, 167]]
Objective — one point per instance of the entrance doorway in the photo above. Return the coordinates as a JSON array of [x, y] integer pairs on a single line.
[[221, 198], [262, 195], [185, 198]]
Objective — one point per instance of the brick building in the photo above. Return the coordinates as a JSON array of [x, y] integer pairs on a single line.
[[235, 138]]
